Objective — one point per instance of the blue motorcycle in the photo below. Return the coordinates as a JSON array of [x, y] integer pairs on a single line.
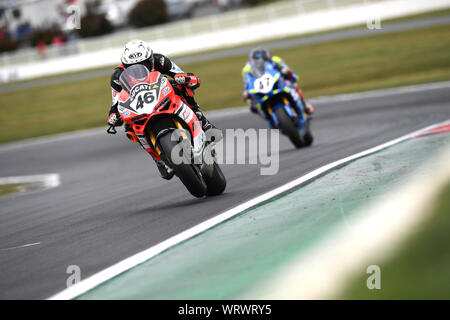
[[280, 103]]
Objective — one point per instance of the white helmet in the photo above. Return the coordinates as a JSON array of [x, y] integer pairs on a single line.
[[136, 51]]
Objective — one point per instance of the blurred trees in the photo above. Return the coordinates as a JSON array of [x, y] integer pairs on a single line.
[[148, 13], [8, 45], [44, 36], [94, 24], [252, 2]]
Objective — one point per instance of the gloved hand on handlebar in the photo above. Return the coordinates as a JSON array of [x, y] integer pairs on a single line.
[[114, 120], [288, 74], [188, 79]]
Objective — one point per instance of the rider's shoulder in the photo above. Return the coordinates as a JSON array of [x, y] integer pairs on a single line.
[[246, 68], [160, 59], [276, 59], [117, 72]]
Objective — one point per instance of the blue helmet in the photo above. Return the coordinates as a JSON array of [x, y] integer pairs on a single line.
[[259, 53]]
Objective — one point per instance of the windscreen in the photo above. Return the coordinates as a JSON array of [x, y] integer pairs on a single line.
[[258, 67], [133, 75]]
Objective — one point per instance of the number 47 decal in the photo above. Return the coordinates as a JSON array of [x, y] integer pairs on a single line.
[[261, 83]]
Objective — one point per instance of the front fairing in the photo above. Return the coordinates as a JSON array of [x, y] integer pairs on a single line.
[[263, 85], [144, 98], [156, 97]]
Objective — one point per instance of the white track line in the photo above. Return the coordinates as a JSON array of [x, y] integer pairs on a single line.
[[124, 265], [50, 180], [22, 246], [52, 139], [228, 112], [378, 231]]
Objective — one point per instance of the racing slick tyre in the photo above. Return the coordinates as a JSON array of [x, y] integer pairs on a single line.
[[287, 126], [215, 181], [308, 138], [188, 173]]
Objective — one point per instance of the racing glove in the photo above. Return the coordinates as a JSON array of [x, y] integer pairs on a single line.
[[288, 74], [188, 79]]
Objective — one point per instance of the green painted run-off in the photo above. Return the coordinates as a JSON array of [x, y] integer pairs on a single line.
[[224, 262]]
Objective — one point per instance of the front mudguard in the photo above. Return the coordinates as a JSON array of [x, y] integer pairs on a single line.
[[183, 137], [272, 117], [296, 111], [162, 133]]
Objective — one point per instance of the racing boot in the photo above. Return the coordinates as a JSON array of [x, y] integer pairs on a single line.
[[309, 109], [206, 124], [165, 172], [212, 136], [215, 135]]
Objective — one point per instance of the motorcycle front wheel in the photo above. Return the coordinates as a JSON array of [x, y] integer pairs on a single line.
[[188, 173], [215, 180], [287, 126]]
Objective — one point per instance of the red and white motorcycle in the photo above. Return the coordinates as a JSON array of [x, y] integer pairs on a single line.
[[168, 130]]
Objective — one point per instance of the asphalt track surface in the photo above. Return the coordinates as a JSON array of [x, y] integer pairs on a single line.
[[357, 32], [112, 204]]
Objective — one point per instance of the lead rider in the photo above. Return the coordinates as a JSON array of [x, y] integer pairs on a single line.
[[139, 52]]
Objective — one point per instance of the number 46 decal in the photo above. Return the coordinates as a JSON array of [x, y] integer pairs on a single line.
[[148, 98]]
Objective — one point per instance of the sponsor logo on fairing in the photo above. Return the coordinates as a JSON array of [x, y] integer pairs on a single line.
[[236, 146], [138, 88], [175, 68]]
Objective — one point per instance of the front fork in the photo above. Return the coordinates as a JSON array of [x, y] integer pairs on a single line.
[[152, 149], [297, 112]]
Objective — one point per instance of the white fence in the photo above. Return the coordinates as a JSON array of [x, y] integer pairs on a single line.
[[185, 28], [105, 51]]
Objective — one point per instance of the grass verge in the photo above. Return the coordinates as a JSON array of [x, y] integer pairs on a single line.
[[381, 61], [10, 188], [421, 269]]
